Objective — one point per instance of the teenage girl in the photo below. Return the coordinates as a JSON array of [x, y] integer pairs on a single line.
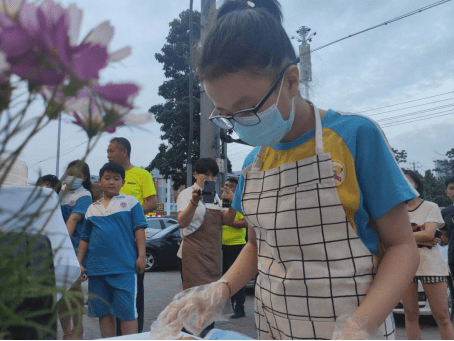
[[320, 193], [76, 197]]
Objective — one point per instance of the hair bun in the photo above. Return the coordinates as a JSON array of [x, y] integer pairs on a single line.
[[271, 6]]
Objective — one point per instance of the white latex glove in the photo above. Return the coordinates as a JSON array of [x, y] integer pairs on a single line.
[[194, 309], [347, 329]]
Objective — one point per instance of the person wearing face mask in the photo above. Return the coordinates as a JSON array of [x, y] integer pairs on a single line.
[[321, 192], [75, 200]]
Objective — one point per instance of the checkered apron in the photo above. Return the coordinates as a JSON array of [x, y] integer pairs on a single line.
[[312, 265]]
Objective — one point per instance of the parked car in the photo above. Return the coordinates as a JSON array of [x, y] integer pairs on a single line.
[[424, 308], [162, 248], [156, 224]]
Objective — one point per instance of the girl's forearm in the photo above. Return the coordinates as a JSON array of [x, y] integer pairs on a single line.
[[395, 272], [243, 270], [82, 251]]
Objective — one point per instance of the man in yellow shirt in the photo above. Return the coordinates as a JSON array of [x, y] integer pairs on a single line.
[[233, 241], [139, 184]]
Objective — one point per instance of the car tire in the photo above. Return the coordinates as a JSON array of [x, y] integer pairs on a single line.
[[151, 259]]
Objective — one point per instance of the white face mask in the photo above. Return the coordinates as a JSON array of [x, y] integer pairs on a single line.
[[75, 183]]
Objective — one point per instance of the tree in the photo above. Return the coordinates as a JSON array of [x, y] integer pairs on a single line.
[[401, 156], [434, 189], [174, 114], [446, 166]]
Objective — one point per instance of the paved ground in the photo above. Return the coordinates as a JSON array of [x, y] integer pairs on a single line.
[[161, 286]]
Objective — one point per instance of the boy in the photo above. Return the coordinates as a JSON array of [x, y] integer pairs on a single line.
[[114, 237], [448, 229]]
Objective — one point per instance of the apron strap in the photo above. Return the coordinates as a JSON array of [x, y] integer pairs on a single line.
[[319, 149]]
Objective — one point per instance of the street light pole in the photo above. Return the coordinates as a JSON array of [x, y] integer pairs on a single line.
[[305, 57], [58, 145], [191, 99]]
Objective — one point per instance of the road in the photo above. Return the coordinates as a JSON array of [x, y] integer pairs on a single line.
[[162, 285]]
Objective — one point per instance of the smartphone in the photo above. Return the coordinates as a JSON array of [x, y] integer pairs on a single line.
[[209, 191], [437, 234]]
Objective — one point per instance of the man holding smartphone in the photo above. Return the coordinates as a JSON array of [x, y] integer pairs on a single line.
[[200, 216]]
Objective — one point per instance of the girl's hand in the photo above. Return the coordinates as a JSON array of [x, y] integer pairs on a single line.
[[196, 196], [83, 273], [227, 194], [141, 263]]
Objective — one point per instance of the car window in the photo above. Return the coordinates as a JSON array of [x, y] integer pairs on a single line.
[[154, 224], [166, 231], [169, 222], [176, 233]]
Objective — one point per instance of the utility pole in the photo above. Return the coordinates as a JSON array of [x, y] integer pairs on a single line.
[[191, 98], [209, 133], [305, 57], [58, 145]]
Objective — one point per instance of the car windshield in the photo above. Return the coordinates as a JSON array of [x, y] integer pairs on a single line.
[[165, 232], [154, 224]]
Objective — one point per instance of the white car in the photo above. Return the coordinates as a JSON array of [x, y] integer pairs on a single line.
[[156, 224], [424, 308]]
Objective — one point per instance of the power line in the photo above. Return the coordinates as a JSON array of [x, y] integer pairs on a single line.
[[421, 119], [415, 113], [392, 105], [384, 23], [414, 106]]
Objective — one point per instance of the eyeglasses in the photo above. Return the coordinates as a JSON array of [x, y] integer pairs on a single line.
[[247, 117]]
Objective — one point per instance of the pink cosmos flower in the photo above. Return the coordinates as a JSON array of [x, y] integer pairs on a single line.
[[41, 45]]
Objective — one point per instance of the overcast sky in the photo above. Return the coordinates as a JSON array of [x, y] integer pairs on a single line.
[[403, 61]]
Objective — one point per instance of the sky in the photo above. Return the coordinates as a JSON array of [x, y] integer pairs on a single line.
[[405, 67]]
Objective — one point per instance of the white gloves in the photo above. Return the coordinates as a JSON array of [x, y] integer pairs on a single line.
[[194, 309]]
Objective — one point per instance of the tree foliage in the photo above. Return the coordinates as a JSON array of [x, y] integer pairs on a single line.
[[174, 114], [446, 166], [400, 155]]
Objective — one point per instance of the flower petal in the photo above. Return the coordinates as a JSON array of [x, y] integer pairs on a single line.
[[88, 60], [101, 34], [75, 16], [120, 54], [118, 93]]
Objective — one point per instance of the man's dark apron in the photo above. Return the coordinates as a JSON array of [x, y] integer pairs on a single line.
[[312, 267], [201, 254]]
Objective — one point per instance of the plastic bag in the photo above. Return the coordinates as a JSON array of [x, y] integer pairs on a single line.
[[194, 309]]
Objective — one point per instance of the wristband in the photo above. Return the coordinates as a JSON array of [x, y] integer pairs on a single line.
[[193, 203]]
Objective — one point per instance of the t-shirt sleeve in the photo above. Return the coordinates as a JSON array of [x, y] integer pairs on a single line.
[[138, 218], [82, 205], [434, 215], [183, 200], [447, 213], [236, 204], [148, 186], [86, 230], [380, 179]]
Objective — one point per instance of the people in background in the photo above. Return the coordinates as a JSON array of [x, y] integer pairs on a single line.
[[75, 200], [448, 217], [432, 272], [96, 190], [139, 184], [201, 225], [114, 236], [233, 241], [49, 181]]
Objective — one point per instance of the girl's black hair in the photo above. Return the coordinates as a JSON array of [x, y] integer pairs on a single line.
[[52, 180], [85, 171], [247, 35], [416, 180], [205, 165]]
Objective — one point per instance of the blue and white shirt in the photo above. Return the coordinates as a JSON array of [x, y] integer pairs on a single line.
[[75, 201], [110, 235]]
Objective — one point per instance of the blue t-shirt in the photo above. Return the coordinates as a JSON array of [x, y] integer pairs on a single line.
[[76, 201], [369, 182], [110, 235]]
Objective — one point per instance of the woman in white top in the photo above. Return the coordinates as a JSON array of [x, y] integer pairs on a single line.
[[425, 217]]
